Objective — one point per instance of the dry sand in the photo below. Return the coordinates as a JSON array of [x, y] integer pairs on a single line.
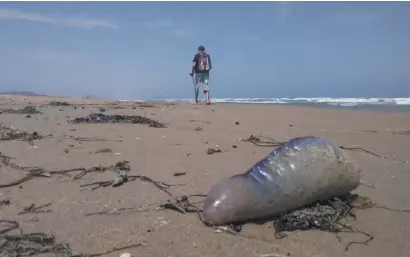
[[160, 152]]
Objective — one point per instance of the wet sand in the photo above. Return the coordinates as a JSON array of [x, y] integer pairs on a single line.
[[181, 147]]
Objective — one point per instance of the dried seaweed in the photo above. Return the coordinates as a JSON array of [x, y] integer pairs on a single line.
[[7, 134], [211, 151], [100, 118], [39, 244], [35, 209], [265, 142], [88, 139], [22, 244], [181, 204], [40, 172], [25, 110], [5, 202], [111, 251], [146, 105], [405, 132], [325, 216], [124, 177], [58, 103], [328, 216]]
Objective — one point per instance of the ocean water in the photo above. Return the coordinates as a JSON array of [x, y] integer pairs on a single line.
[[381, 104]]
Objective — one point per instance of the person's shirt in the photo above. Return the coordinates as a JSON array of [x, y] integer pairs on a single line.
[[196, 59]]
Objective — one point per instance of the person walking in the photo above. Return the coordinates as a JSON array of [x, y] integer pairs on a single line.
[[201, 66]]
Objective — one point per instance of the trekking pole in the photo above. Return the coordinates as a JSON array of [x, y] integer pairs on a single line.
[[193, 84]]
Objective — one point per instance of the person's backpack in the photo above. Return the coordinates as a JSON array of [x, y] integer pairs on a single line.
[[203, 62]]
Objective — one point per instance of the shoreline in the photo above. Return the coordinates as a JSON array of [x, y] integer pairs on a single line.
[[360, 107], [372, 108], [377, 107]]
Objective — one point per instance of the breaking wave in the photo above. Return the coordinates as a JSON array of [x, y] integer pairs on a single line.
[[315, 100]]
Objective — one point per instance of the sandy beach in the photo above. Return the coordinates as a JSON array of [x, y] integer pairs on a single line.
[[181, 147]]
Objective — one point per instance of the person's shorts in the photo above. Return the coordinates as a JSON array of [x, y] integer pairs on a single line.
[[202, 78]]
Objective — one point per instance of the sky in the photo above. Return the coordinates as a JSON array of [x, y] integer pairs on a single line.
[[143, 50]]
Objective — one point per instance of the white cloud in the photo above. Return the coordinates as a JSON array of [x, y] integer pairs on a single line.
[[79, 22]]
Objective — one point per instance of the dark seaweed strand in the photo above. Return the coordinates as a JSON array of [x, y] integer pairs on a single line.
[[325, 216], [7, 134], [24, 110], [100, 118], [39, 244]]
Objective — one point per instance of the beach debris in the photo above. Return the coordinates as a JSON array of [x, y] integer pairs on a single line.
[[121, 179], [40, 172], [211, 151], [28, 244], [234, 146], [200, 121], [273, 255], [88, 139], [124, 177], [198, 129], [24, 110], [7, 133], [370, 130], [101, 109], [237, 123], [405, 132], [180, 204], [324, 215], [103, 118], [263, 141], [147, 105], [35, 209], [15, 242], [5, 202], [367, 185], [177, 174], [102, 150], [58, 103]]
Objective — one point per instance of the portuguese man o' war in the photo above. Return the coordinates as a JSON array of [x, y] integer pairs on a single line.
[[302, 171]]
